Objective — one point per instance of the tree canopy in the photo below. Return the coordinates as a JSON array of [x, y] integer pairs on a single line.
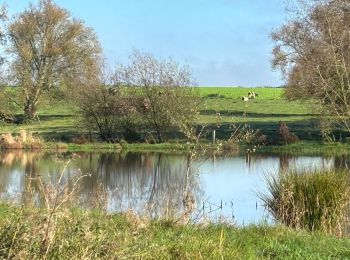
[[50, 49], [147, 95], [312, 49]]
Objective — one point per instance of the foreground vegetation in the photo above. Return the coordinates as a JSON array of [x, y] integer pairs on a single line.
[[24, 233], [314, 200]]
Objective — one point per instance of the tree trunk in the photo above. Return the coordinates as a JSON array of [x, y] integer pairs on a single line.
[[159, 135], [30, 110], [31, 99]]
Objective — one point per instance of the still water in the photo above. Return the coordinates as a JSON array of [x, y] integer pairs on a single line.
[[153, 184]]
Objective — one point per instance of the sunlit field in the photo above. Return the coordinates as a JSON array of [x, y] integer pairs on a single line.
[[218, 105]]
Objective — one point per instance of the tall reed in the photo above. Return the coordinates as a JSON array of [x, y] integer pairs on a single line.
[[317, 200], [23, 140]]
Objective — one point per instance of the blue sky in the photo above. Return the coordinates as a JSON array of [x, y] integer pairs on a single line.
[[226, 42]]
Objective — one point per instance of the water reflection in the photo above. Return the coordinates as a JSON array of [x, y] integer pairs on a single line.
[[153, 183], [148, 183]]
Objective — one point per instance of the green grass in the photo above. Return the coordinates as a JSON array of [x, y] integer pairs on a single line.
[[155, 147], [308, 147], [301, 147], [219, 106], [78, 234], [237, 92], [264, 112]]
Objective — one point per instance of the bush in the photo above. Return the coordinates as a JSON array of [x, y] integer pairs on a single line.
[[247, 136], [315, 200], [115, 115], [285, 137], [216, 95], [80, 140]]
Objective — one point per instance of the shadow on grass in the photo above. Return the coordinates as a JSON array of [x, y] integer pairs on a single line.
[[251, 114], [304, 129], [52, 117]]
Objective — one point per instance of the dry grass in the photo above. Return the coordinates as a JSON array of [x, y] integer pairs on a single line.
[[24, 140], [58, 146], [55, 196]]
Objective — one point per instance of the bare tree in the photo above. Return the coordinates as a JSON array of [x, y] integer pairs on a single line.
[[113, 113], [165, 87], [312, 50], [50, 49], [145, 96]]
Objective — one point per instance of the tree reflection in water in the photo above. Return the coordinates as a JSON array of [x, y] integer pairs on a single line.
[[151, 184]]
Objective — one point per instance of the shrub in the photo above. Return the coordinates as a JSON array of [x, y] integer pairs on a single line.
[[80, 140], [169, 101], [285, 137], [114, 116], [246, 135], [216, 95], [315, 200]]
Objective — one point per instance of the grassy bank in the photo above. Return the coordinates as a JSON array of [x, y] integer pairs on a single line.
[[91, 234], [90, 147], [300, 147], [220, 106], [307, 147]]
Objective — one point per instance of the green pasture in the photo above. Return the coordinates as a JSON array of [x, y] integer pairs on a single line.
[[220, 108], [237, 92]]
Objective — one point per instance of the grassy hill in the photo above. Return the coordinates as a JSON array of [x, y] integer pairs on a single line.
[[219, 106], [223, 105]]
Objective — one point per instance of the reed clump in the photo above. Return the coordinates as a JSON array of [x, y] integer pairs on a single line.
[[58, 146], [23, 140], [316, 200]]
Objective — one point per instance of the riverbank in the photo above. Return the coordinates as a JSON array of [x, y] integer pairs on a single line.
[[300, 147], [308, 147], [27, 232]]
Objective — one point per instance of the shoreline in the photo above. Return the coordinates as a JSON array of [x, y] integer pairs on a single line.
[[298, 148]]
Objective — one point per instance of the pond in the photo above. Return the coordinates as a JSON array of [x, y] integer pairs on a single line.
[[221, 187]]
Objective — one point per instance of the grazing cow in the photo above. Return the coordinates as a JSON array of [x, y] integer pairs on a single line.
[[244, 98], [252, 94]]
